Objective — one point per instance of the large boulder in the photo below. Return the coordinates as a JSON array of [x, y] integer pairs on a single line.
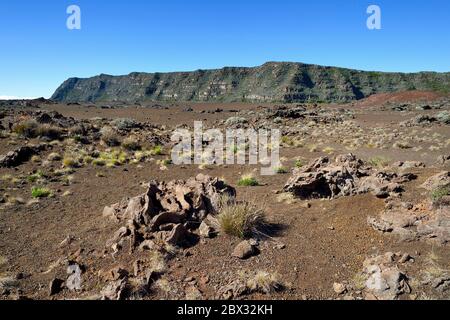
[[171, 209], [20, 155], [346, 176]]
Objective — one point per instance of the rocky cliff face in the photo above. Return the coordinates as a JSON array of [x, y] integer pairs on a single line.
[[271, 82]]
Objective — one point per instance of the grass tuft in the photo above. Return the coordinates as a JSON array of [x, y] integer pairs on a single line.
[[241, 219], [248, 181], [38, 192]]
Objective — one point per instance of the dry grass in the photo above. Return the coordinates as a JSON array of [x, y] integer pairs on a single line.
[[402, 145], [3, 260], [8, 283], [433, 267], [157, 262], [69, 162], [49, 131], [110, 137], [26, 128], [131, 143], [54, 157], [241, 219], [264, 282], [378, 162], [32, 129], [286, 197]]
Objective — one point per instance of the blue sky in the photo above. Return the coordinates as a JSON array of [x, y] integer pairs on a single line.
[[38, 52]]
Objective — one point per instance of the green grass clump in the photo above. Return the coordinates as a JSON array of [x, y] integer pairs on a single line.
[[36, 176], [281, 170], [248, 181], [166, 162], [156, 151], [111, 158], [99, 162], [439, 193], [38, 192], [299, 163]]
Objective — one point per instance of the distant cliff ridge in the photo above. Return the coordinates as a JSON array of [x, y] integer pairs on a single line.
[[271, 82]]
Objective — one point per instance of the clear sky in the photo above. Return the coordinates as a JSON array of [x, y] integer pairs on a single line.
[[38, 52]]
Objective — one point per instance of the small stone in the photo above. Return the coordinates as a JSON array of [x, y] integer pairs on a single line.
[[243, 250], [405, 258], [205, 230], [280, 246], [339, 288]]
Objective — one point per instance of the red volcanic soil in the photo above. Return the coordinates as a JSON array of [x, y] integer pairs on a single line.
[[399, 97]]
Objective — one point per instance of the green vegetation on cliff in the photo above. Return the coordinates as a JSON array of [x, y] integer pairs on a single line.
[[271, 82]]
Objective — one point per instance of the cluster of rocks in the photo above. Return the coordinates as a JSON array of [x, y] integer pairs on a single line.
[[20, 155], [419, 221], [316, 114], [383, 280], [168, 212], [346, 176], [51, 117], [34, 103], [425, 120], [176, 213]]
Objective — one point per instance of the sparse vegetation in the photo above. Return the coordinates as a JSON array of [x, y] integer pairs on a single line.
[[156, 151], [439, 193], [264, 282], [110, 137], [378, 162], [27, 128], [248, 181], [38, 192], [241, 219], [49, 131], [131, 143], [35, 176], [285, 197], [69, 162], [299, 163], [402, 145], [281, 170]]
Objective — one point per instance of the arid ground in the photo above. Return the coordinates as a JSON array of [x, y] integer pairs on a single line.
[[371, 225]]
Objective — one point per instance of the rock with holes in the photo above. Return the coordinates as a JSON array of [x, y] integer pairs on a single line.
[[182, 205], [20, 155], [421, 221], [346, 176], [383, 279], [436, 181]]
